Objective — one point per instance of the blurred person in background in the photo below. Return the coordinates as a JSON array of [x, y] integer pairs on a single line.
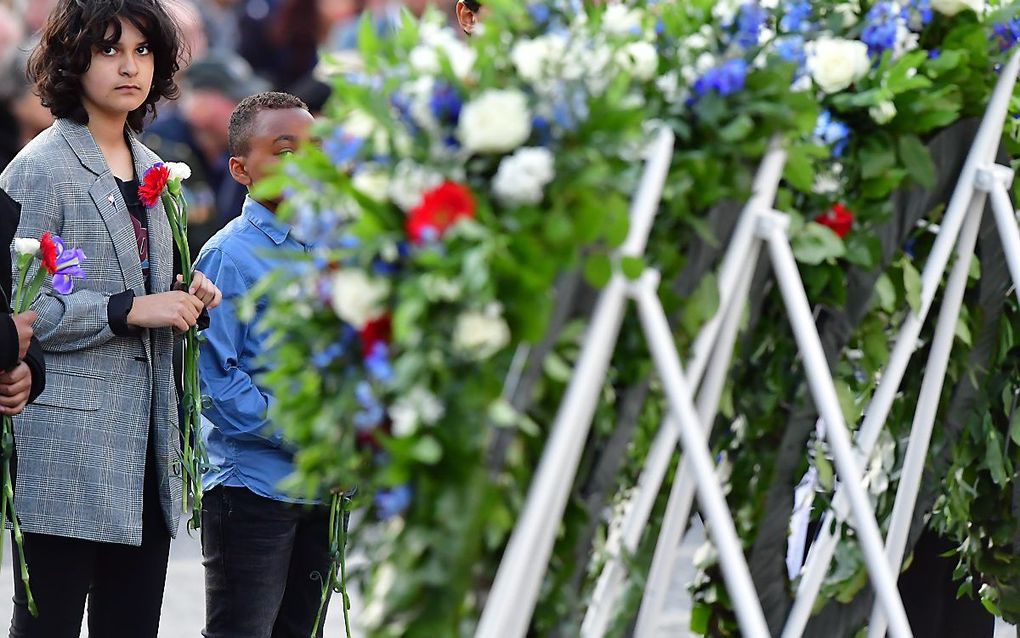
[[22, 115], [196, 134], [284, 46], [221, 19], [193, 31], [385, 15]]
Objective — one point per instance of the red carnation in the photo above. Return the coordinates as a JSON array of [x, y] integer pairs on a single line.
[[49, 253], [375, 332], [153, 183], [440, 209], [839, 219]]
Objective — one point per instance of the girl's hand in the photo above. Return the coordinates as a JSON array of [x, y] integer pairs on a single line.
[[203, 288]]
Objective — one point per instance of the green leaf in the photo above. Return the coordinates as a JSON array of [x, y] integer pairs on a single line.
[[886, 293], [632, 267], [427, 451], [800, 170], [912, 286], [700, 305], [816, 244], [598, 270], [994, 459], [738, 129], [825, 471], [917, 160], [700, 615]]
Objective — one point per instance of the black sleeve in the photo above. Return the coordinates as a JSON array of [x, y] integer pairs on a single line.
[[37, 363], [117, 310], [8, 342]]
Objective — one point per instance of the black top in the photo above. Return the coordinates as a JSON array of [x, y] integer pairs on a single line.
[[10, 215]]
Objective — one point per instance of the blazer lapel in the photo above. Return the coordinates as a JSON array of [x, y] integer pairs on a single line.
[[105, 195], [160, 238]]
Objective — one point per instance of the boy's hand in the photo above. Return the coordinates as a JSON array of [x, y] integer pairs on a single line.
[[175, 309], [15, 386], [203, 288], [23, 323]]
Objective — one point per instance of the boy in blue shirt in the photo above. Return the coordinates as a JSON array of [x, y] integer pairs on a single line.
[[266, 553]]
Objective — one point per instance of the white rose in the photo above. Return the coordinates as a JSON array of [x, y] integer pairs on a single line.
[[481, 334], [620, 19], [424, 59], [952, 7], [495, 122], [372, 182], [883, 112], [26, 246], [639, 59], [522, 177], [178, 170], [410, 181], [836, 63], [358, 298]]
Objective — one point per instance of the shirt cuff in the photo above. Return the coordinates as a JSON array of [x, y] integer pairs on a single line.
[[117, 312]]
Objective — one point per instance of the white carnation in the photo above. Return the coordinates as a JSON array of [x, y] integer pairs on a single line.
[[178, 170], [836, 63], [495, 122], [410, 181], [639, 59], [481, 334], [26, 246], [358, 298], [952, 7], [522, 177], [883, 112]]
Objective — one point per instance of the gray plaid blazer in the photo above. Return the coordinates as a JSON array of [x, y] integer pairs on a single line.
[[82, 445]]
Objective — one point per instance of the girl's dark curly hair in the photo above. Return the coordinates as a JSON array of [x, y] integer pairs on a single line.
[[76, 28]]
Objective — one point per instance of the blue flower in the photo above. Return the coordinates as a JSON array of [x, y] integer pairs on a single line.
[[725, 79], [934, 54], [832, 133], [331, 353], [542, 131], [791, 49], [1008, 33], [750, 20], [919, 14], [341, 147], [393, 501], [445, 104], [378, 363], [539, 12], [881, 26], [797, 18]]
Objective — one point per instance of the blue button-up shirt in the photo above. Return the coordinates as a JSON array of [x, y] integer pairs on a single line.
[[244, 447]]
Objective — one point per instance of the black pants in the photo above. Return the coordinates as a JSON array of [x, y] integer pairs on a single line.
[[123, 584], [265, 562]]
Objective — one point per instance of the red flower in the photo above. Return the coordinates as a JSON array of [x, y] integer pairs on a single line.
[[49, 253], [839, 219], [440, 209], [153, 183], [375, 332]]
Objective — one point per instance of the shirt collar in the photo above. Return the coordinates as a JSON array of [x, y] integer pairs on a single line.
[[264, 219]]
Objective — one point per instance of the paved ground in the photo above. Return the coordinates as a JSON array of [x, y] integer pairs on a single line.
[[184, 602]]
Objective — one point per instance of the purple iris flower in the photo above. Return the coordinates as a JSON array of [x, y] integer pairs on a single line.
[[68, 266]]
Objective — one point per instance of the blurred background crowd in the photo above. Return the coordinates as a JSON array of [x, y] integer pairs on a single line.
[[237, 48]]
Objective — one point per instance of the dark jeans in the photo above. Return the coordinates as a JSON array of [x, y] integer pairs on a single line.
[[123, 584], [265, 562]]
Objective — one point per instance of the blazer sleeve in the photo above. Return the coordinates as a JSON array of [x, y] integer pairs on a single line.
[[37, 363], [66, 322], [8, 342]]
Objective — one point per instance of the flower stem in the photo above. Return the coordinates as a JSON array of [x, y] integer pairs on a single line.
[[8, 505]]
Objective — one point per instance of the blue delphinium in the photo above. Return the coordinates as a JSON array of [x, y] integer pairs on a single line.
[[342, 147], [325, 357], [445, 104], [377, 362], [832, 132], [1008, 33], [372, 412], [750, 20], [725, 79], [791, 49], [393, 501], [796, 17], [919, 14], [539, 12], [881, 27]]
